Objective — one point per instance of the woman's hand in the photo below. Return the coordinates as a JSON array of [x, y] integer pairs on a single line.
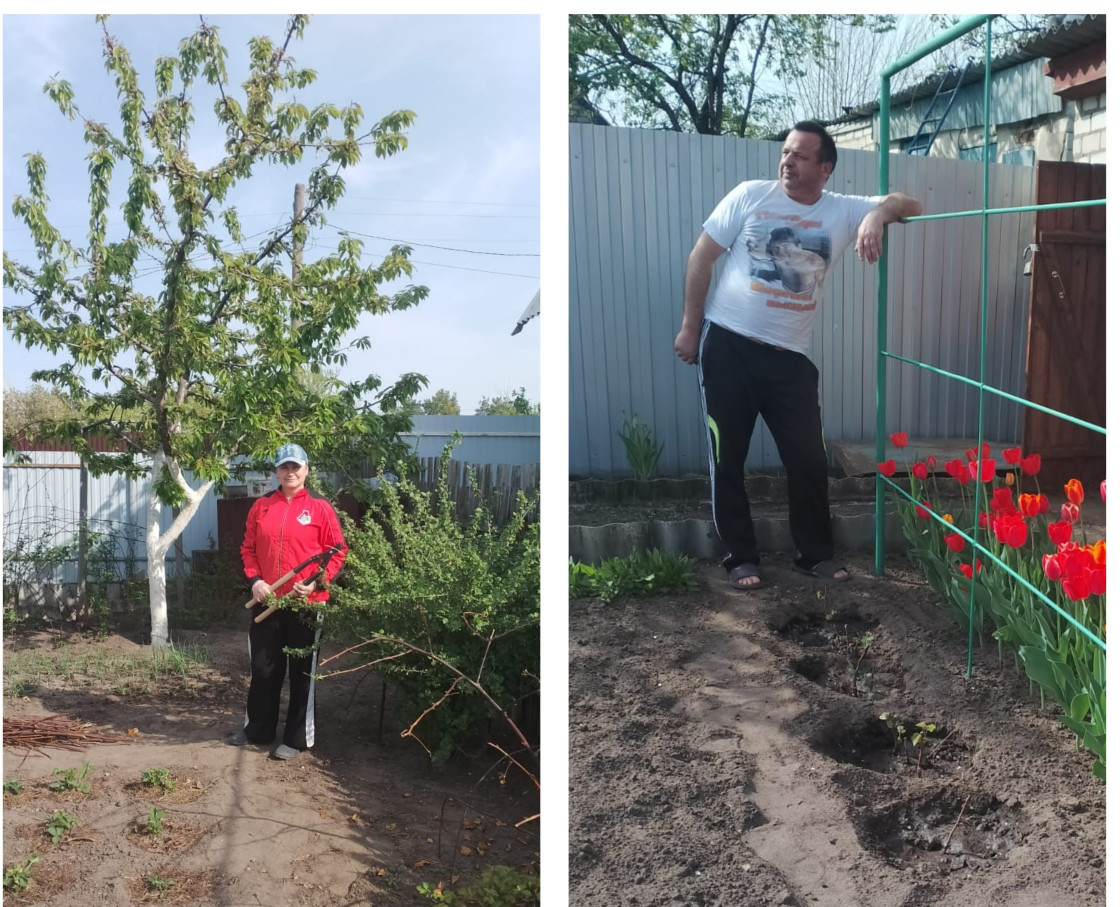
[[260, 590], [304, 589]]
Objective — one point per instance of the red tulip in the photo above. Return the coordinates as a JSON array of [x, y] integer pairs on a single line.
[[899, 439], [1002, 501], [920, 471], [986, 468], [1076, 587], [1071, 513], [1030, 504], [1052, 566], [955, 542], [953, 468], [968, 570], [984, 452], [924, 512], [887, 468], [1096, 581], [1075, 494], [1030, 465], [931, 464], [1012, 455], [1102, 490], [1043, 504], [983, 519], [1060, 531], [1011, 530]]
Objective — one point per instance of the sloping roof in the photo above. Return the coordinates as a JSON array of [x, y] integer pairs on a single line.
[[1067, 34]]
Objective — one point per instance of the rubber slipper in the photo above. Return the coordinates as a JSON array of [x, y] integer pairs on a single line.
[[823, 570], [742, 571]]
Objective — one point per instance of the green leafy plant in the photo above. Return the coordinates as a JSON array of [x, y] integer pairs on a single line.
[[443, 605], [13, 786], [496, 886], [922, 731], [59, 824], [153, 824], [643, 453], [72, 779], [654, 572], [159, 886], [158, 777], [17, 877]]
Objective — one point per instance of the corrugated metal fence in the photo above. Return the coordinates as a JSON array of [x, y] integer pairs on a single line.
[[638, 200]]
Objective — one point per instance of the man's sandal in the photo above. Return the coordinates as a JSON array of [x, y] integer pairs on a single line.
[[742, 572], [823, 570]]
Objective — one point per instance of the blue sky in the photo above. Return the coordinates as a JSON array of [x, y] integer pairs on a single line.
[[469, 180]]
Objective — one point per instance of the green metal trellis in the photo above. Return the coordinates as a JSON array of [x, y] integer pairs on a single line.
[[965, 26]]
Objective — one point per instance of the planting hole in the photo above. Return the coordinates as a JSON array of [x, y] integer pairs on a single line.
[[949, 830], [812, 668], [867, 743], [819, 630]]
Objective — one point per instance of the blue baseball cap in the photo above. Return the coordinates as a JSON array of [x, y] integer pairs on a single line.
[[290, 453]]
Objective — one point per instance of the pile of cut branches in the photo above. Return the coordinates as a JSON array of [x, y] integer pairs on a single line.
[[53, 730]]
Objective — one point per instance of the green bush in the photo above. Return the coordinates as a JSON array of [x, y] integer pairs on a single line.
[[468, 594]]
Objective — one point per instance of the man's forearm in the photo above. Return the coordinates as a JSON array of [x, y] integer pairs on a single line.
[[897, 206]]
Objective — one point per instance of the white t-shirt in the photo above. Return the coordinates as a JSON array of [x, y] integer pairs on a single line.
[[779, 253]]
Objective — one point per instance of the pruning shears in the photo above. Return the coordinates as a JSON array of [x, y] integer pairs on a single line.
[[321, 559]]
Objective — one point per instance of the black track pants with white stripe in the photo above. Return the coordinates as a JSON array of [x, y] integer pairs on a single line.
[[740, 380], [267, 641]]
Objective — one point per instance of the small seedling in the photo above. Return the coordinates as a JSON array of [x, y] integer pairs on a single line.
[[18, 876], [72, 779], [159, 886], [13, 786], [158, 777], [154, 823], [59, 824], [922, 730], [897, 728]]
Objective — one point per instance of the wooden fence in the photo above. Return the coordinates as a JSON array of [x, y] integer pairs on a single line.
[[476, 485]]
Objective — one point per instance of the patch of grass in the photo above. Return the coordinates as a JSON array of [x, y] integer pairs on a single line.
[[13, 786], [159, 887], [496, 886], [653, 572], [123, 673]]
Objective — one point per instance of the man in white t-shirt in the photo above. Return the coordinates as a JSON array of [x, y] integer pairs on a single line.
[[753, 337]]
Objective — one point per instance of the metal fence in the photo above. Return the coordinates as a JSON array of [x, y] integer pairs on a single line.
[[638, 200]]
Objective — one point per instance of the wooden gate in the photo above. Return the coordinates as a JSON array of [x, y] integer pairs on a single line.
[[1066, 333]]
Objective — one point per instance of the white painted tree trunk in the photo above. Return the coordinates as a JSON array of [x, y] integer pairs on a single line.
[[158, 545]]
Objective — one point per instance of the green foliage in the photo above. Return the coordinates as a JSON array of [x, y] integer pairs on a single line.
[[441, 403], [653, 572], [512, 404], [690, 73], [153, 824], [13, 786], [158, 777], [208, 367], [17, 877], [468, 594], [72, 779], [59, 825], [643, 453], [159, 886], [497, 886]]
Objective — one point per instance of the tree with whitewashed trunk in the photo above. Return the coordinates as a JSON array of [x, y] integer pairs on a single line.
[[205, 362]]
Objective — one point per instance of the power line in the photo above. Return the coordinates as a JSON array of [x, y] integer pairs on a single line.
[[430, 246]]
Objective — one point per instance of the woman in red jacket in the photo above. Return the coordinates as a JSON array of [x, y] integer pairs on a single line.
[[285, 528]]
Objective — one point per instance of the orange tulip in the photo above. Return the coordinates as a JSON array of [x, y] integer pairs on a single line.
[[1075, 494]]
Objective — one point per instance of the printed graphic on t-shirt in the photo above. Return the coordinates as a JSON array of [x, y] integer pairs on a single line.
[[789, 259], [304, 518]]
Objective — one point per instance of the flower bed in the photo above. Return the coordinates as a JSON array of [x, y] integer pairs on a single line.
[[1013, 567]]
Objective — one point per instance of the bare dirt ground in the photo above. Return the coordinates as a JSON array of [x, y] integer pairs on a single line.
[[726, 748], [355, 820]]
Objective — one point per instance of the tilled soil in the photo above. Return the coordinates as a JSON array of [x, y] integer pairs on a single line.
[[727, 748], [360, 818]]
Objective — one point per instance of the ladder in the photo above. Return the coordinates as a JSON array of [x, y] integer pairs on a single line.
[[936, 112]]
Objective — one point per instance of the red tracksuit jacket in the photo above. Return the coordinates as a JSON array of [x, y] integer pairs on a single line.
[[280, 534]]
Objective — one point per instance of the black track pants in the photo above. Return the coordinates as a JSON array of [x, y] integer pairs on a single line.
[[741, 379], [270, 664]]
